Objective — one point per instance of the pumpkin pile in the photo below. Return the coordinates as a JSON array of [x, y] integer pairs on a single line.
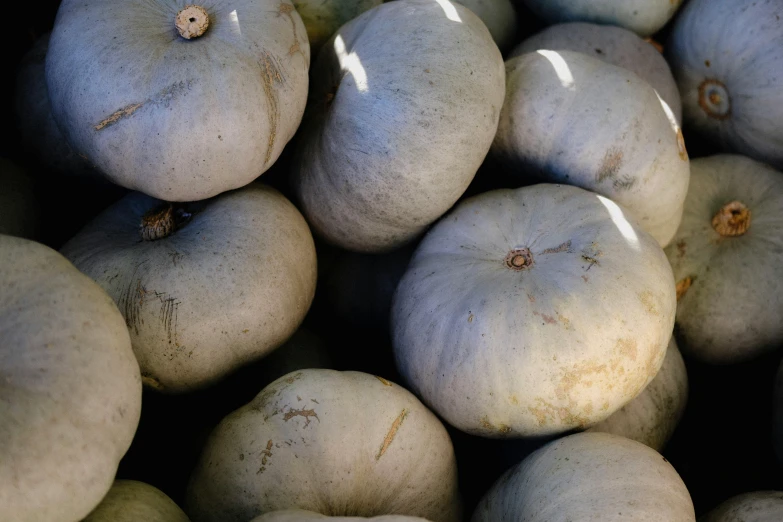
[[403, 260]]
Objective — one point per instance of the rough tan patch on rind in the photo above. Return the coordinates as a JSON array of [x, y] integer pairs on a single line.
[[290, 414], [573, 377], [610, 165], [628, 348], [547, 412], [384, 381], [270, 75], [391, 433], [266, 455], [118, 115], [286, 10], [648, 300], [162, 97], [563, 247]]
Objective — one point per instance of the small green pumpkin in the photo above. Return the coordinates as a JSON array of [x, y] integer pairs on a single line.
[[133, 501]]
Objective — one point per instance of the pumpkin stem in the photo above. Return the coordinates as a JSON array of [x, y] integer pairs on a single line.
[[192, 21], [162, 221], [519, 259], [733, 219], [714, 99]]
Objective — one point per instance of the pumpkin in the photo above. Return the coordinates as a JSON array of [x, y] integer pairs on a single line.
[[133, 501], [338, 443], [570, 118], [179, 102], [19, 210], [533, 311], [71, 394], [323, 18], [40, 135], [727, 58], [613, 45], [652, 417], [500, 18], [644, 17], [759, 506], [299, 515], [727, 260], [203, 288], [402, 111], [589, 477]]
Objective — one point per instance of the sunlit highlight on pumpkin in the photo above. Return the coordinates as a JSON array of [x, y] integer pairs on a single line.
[[235, 21], [620, 222], [351, 63], [561, 68], [450, 10]]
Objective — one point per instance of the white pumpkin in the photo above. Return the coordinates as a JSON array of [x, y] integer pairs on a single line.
[[19, 209], [70, 398], [727, 260], [133, 501], [759, 506], [570, 118], [338, 443], [41, 137], [299, 515], [644, 17], [322, 18], [727, 57], [402, 111], [531, 312], [589, 477], [203, 289], [652, 417], [181, 102], [613, 45]]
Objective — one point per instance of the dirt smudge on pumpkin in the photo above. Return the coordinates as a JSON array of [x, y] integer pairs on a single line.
[[266, 454], [563, 247], [395, 427], [627, 348], [610, 165], [547, 318], [290, 414], [163, 97], [648, 300], [270, 75]]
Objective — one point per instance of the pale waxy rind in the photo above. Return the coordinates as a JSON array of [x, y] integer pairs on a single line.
[[71, 395], [759, 506], [589, 477], [561, 344], [337, 443], [574, 119], [299, 515], [133, 501], [731, 307], [653, 415], [228, 287]]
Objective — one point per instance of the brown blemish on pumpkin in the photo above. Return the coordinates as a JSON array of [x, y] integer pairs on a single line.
[[707, 63], [266, 455], [628, 348], [563, 247], [163, 97], [290, 414], [531, 298], [682, 286], [514, 400], [384, 381], [648, 300], [150, 381], [565, 320], [486, 424], [610, 166], [732, 220], [504, 429], [585, 278], [547, 318], [286, 10], [470, 318], [546, 411], [395, 427]]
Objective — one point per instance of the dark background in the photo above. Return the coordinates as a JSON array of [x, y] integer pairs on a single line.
[[722, 447]]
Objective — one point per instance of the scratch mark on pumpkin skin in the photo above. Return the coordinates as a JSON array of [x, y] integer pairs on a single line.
[[286, 10], [627, 347], [266, 454], [162, 98], [565, 247], [270, 74], [610, 165], [290, 414], [391, 434]]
